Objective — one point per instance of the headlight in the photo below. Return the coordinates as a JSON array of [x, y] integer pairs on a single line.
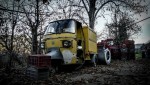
[[66, 43]]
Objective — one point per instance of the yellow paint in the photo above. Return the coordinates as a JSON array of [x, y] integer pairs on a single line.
[[56, 41], [90, 42], [74, 60], [85, 34], [87, 57]]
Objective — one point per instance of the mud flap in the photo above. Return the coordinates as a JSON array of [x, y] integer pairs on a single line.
[[94, 60]]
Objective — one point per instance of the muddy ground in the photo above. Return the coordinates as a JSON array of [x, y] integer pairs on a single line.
[[133, 72]]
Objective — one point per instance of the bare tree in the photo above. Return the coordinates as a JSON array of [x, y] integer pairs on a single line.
[[7, 30], [68, 9], [97, 8], [123, 27], [31, 10], [34, 16]]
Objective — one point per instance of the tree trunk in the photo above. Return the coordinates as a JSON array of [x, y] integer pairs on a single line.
[[34, 30], [34, 41], [91, 13], [9, 63], [91, 22]]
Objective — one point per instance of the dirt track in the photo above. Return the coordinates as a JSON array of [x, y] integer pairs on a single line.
[[117, 73]]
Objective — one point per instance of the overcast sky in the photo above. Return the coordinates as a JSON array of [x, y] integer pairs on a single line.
[[144, 35]]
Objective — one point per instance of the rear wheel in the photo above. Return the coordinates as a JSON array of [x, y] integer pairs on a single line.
[[104, 56], [124, 54], [132, 55], [124, 57], [55, 66]]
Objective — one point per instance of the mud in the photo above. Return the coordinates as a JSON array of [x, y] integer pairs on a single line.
[[133, 72]]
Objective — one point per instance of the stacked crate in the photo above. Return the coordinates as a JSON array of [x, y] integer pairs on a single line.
[[38, 66]]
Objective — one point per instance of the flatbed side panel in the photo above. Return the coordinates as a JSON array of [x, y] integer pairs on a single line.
[[90, 40], [86, 36]]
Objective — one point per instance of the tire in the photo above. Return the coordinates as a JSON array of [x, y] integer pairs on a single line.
[[124, 57], [104, 56], [132, 56], [125, 54]]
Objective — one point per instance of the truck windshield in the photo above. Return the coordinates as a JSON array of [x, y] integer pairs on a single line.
[[61, 26]]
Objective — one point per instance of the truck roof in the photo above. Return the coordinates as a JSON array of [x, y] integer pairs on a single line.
[[65, 19]]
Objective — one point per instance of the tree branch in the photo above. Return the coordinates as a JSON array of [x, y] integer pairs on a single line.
[[104, 5], [85, 7]]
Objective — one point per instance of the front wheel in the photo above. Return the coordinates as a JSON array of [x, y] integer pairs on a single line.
[[54, 70], [104, 56]]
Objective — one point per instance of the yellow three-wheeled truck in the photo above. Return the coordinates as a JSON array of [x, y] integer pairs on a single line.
[[67, 42]]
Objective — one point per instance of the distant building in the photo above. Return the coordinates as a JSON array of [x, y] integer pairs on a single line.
[[138, 47], [148, 49], [144, 49]]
